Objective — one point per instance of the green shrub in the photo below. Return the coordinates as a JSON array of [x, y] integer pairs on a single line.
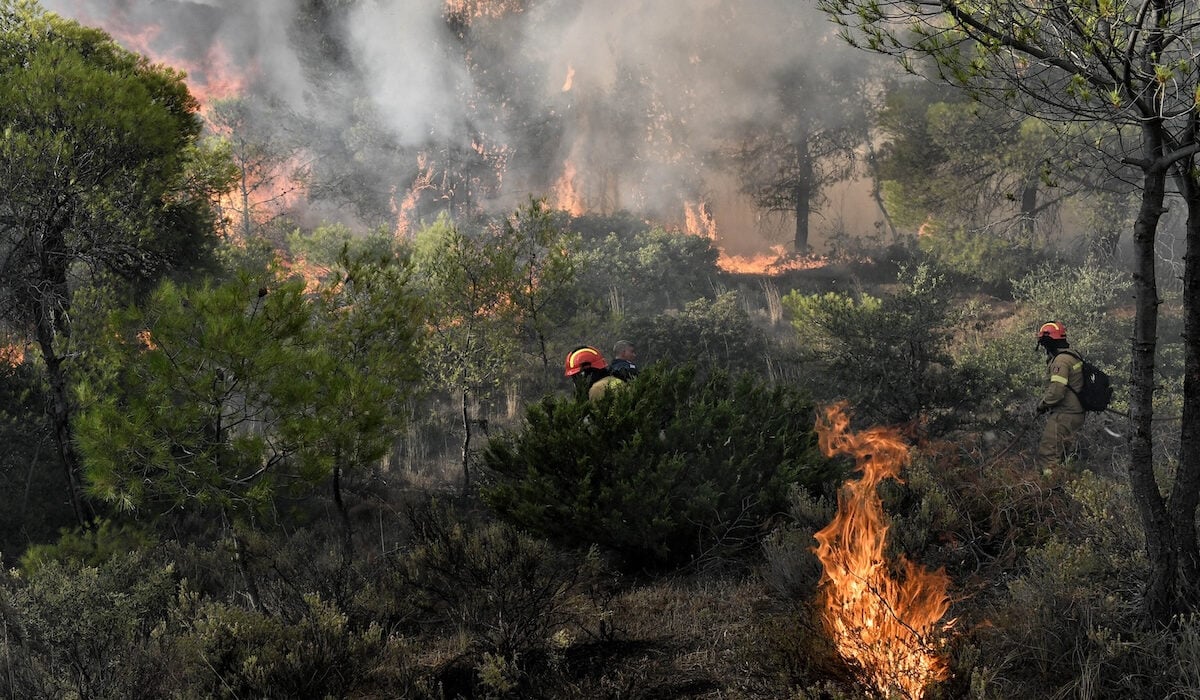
[[889, 357], [230, 652], [1068, 623], [716, 334], [505, 589], [671, 468], [86, 631]]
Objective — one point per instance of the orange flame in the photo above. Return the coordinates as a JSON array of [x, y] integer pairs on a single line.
[[884, 625], [699, 221], [147, 339], [570, 79], [12, 355], [566, 196]]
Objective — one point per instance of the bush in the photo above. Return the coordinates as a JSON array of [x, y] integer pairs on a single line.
[[87, 632], [491, 606], [672, 468], [890, 357], [230, 652], [714, 334]]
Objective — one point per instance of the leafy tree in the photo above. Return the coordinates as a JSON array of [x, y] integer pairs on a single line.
[[673, 467], [224, 396], [787, 162], [95, 178], [950, 161], [1128, 68], [546, 258], [470, 284]]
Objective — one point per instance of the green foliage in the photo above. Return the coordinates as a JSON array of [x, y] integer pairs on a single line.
[[97, 159], [229, 652], [979, 255], [642, 274], [1082, 297], [546, 268], [712, 333], [889, 357], [219, 396], [1069, 620], [88, 547], [508, 591], [83, 631], [470, 286], [670, 468]]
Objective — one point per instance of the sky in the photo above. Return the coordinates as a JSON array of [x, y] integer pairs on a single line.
[[599, 106]]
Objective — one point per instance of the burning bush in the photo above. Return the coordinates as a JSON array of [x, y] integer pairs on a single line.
[[673, 468]]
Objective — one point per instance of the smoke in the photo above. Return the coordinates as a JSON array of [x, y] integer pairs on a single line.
[[484, 102]]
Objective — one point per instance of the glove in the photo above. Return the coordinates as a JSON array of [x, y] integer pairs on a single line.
[[1042, 408]]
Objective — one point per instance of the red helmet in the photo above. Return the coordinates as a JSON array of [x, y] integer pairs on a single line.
[[582, 358], [1053, 330]]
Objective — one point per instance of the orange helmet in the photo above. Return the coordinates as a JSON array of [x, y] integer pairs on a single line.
[[582, 358], [1053, 330]]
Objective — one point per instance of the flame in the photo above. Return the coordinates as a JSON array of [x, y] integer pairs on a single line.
[[300, 266], [266, 191], [147, 339], [699, 221], [884, 625], [215, 76], [12, 355], [566, 196], [570, 79]]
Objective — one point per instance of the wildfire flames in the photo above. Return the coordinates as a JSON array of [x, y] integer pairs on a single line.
[[271, 189], [885, 625]]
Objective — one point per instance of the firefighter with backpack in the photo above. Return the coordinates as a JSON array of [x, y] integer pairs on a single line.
[[1064, 370]]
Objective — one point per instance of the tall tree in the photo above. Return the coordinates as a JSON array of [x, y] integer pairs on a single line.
[[1123, 65], [471, 286], [788, 162], [94, 179]]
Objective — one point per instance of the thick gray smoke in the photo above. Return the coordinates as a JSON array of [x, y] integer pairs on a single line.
[[484, 102]]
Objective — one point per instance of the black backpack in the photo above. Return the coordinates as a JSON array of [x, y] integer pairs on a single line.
[[1097, 387]]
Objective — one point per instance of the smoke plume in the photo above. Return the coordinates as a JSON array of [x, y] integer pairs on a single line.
[[474, 105]]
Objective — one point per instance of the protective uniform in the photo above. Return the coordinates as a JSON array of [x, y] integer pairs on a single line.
[[1064, 373], [586, 364], [602, 385]]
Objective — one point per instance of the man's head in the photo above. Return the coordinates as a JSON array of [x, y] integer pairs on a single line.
[[624, 350]]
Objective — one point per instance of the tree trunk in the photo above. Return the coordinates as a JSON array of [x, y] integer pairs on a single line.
[[1150, 505], [347, 527], [466, 446], [1185, 491], [1029, 209], [802, 196], [49, 308]]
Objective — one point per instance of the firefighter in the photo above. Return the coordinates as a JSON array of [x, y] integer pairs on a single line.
[[1064, 371], [586, 366], [623, 366]]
